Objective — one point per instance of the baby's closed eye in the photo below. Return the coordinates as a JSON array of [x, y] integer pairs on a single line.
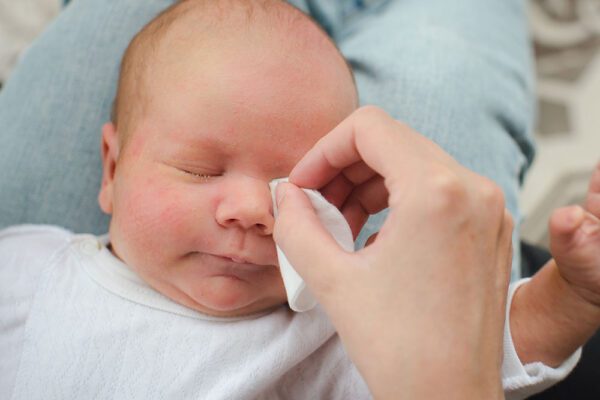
[[196, 172], [201, 175]]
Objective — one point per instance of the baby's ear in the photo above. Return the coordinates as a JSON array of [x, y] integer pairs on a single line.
[[110, 155]]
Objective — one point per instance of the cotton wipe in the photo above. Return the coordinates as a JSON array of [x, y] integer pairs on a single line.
[[299, 296]]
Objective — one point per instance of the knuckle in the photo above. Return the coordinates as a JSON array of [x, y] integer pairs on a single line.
[[447, 192], [491, 194], [509, 222], [491, 198]]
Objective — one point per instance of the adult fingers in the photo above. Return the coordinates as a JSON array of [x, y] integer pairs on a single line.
[[366, 199], [368, 135], [336, 191], [305, 242]]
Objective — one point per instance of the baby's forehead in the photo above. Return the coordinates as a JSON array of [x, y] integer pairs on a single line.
[[269, 28], [181, 44]]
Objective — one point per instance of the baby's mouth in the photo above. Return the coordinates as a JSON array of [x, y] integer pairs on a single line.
[[236, 259], [236, 263]]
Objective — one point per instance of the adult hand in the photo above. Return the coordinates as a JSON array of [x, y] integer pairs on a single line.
[[421, 309]]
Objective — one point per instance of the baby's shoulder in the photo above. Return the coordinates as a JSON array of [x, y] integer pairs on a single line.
[[25, 252], [29, 247], [28, 238]]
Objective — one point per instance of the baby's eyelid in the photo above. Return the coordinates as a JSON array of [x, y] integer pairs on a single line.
[[200, 175]]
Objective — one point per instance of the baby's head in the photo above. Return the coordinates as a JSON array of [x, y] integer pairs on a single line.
[[215, 99]]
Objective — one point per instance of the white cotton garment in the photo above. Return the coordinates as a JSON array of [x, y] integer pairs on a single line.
[[77, 323], [299, 297], [521, 381]]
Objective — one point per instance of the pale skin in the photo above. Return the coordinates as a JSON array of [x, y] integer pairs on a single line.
[[422, 306], [551, 316], [559, 309], [188, 193], [209, 140]]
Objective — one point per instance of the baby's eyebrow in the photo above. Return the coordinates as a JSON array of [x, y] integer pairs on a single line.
[[197, 152], [199, 141]]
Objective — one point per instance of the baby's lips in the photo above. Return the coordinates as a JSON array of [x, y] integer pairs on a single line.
[[237, 259]]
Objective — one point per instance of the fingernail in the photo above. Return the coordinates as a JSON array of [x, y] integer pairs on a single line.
[[281, 189]]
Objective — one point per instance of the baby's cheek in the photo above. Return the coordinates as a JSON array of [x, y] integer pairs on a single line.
[[153, 217]]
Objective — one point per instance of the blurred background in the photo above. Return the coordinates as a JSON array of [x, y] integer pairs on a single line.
[[566, 36], [20, 22]]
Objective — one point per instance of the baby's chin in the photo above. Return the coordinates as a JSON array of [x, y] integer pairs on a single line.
[[227, 296]]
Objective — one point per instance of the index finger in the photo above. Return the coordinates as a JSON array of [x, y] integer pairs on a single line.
[[368, 135]]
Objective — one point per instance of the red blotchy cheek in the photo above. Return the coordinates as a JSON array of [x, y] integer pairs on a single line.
[[165, 209], [150, 214]]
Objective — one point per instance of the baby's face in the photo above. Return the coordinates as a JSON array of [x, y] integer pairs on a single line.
[[189, 195]]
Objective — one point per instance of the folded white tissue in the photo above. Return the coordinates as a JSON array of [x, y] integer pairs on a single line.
[[299, 296]]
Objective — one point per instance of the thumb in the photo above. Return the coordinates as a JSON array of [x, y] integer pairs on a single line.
[[564, 223], [308, 246]]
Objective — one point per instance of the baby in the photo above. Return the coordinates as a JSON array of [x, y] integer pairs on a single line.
[[208, 111], [184, 297]]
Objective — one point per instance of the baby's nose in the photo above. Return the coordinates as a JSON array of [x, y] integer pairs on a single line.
[[247, 205]]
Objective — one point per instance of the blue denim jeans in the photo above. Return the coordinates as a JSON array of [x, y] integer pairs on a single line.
[[457, 71]]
